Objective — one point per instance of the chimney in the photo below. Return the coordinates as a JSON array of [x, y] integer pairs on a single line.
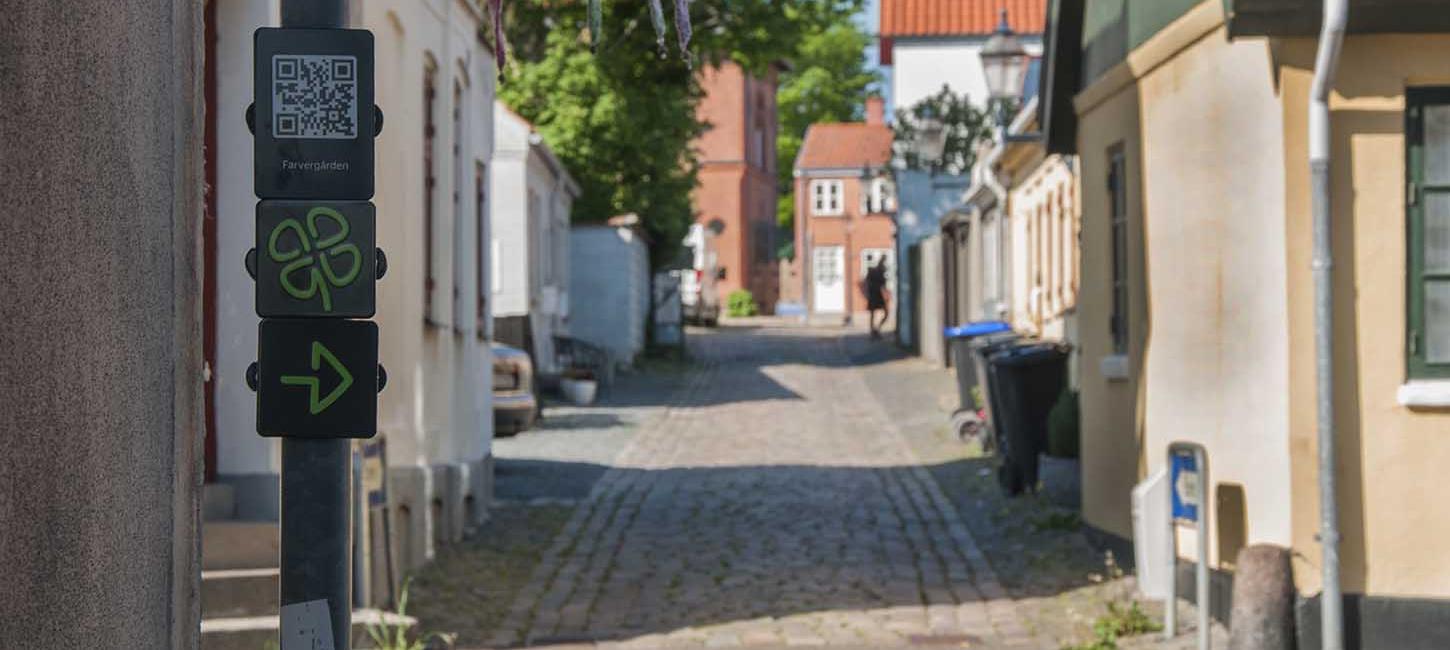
[[876, 110]]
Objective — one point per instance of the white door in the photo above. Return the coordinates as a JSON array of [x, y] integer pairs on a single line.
[[829, 278]]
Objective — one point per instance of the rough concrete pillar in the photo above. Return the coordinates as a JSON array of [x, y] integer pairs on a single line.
[[1263, 600], [100, 323]]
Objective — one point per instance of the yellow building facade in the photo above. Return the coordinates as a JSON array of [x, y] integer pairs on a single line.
[[1190, 121]]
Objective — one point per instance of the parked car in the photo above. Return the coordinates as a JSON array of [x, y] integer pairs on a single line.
[[698, 296], [515, 405]]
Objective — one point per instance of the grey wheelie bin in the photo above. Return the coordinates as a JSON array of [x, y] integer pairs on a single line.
[[982, 348], [1026, 381], [965, 421]]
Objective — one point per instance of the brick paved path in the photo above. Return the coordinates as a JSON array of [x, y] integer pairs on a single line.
[[773, 504]]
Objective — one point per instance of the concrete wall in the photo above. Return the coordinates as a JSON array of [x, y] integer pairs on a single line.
[[609, 301], [932, 345], [101, 349]]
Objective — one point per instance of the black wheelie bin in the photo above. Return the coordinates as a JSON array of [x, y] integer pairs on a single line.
[[1026, 380]]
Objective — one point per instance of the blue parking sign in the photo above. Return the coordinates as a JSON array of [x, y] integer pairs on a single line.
[[1186, 486]]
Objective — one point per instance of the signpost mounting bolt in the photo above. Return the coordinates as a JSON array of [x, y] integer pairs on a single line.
[[382, 378], [382, 264], [253, 376], [251, 262]]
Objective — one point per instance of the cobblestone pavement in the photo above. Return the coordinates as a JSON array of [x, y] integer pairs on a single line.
[[773, 502]]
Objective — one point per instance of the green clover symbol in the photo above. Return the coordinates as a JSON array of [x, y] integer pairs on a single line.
[[317, 267]]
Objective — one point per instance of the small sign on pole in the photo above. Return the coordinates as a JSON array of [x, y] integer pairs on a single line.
[[1188, 505]]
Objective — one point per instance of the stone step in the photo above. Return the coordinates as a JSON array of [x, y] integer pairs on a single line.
[[240, 545], [260, 632], [239, 592]]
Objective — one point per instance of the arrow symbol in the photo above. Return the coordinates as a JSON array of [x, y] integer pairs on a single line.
[[320, 352]]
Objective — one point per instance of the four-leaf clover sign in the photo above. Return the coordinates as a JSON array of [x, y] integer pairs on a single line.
[[309, 255]]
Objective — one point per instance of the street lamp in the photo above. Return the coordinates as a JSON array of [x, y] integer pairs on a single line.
[[1004, 61], [930, 140]]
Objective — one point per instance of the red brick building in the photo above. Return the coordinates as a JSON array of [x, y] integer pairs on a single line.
[[737, 178], [843, 213]]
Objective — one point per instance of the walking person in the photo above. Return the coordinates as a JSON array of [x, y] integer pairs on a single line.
[[876, 296]]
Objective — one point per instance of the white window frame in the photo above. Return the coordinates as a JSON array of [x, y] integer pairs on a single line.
[[828, 197], [883, 196]]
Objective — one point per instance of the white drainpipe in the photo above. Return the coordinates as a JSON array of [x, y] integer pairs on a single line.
[[1331, 37]]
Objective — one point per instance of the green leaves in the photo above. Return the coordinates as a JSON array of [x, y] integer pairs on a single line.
[[621, 119], [828, 82], [965, 126]]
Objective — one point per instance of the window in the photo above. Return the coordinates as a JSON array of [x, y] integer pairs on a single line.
[[430, 182], [991, 266], [828, 198], [1428, 197], [1118, 197], [883, 196]]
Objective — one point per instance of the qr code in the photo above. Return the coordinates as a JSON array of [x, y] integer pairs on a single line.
[[314, 96]]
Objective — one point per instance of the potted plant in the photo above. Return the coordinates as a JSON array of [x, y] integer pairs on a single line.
[[579, 386]]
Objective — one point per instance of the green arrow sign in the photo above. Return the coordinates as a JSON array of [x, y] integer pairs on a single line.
[[317, 378], [320, 352]]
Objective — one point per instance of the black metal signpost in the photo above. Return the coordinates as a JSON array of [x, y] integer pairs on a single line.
[[316, 265]]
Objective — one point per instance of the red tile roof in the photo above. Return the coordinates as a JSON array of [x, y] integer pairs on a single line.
[[838, 146], [959, 17]]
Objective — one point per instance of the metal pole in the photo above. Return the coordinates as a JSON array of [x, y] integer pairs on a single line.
[[316, 574], [1205, 623], [1170, 606], [1331, 37]]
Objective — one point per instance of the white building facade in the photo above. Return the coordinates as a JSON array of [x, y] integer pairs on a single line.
[[435, 86], [531, 198]]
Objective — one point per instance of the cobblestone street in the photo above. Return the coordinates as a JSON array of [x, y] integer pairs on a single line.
[[772, 502]]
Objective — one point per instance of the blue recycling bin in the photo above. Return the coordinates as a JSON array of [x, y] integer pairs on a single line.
[[963, 338]]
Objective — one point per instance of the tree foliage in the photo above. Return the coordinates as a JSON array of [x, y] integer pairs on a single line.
[[827, 82], [622, 118], [965, 126]]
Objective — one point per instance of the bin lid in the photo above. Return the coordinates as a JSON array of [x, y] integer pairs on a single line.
[[977, 328], [1029, 353]]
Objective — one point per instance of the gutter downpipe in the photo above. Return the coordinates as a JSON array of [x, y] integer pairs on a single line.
[[999, 192], [1331, 38]]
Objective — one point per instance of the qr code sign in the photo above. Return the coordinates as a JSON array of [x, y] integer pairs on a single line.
[[314, 96]]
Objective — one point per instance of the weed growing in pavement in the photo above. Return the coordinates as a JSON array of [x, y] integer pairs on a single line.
[[1121, 620], [395, 637]]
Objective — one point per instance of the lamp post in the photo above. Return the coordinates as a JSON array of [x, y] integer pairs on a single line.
[[1004, 60]]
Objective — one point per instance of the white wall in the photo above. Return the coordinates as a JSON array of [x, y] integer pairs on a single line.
[[1216, 367], [921, 66], [437, 406], [242, 455], [610, 297], [532, 197]]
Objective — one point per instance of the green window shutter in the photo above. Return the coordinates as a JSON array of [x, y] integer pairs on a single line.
[[1427, 206]]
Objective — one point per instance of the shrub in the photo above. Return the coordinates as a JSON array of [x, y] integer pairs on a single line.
[[741, 303], [1063, 437]]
